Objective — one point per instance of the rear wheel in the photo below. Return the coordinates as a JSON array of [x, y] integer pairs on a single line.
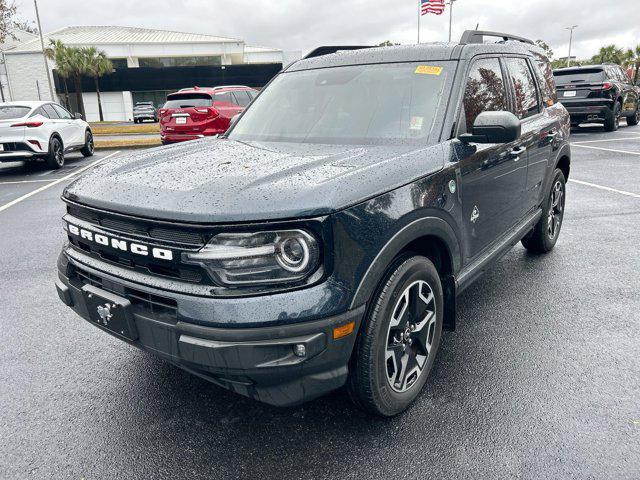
[[399, 338], [634, 119], [612, 122], [55, 156], [87, 150], [545, 234]]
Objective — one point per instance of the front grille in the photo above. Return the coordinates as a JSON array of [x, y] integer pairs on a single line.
[[139, 228], [145, 232], [152, 306]]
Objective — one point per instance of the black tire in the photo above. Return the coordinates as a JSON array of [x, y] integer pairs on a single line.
[[612, 122], [634, 119], [545, 234], [55, 157], [369, 383], [87, 150], [135, 120]]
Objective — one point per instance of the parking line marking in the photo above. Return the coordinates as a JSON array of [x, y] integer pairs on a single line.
[[14, 182], [606, 149], [55, 182], [605, 140], [602, 187]]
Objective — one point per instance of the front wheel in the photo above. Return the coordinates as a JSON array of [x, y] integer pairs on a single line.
[[55, 157], [399, 338], [545, 234], [87, 150]]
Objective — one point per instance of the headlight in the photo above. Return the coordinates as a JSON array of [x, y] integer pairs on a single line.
[[244, 259]]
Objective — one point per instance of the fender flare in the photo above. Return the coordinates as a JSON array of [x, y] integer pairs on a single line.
[[432, 226]]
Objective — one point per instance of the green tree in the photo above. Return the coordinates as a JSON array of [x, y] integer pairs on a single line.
[[7, 23], [547, 49], [387, 43], [633, 55], [97, 65], [58, 52], [609, 54]]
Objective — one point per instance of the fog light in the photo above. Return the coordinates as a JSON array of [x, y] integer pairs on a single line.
[[299, 350]]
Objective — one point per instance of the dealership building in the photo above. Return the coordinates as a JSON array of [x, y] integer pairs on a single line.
[[147, 63]]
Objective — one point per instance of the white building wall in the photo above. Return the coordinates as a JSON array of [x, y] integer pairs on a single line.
[[116, 106], [25, 74], [263, 57]]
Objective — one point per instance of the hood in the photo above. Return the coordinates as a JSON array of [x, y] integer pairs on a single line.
[[219, 180]]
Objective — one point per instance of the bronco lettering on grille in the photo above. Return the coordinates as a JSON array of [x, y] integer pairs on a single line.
[[123, 245]]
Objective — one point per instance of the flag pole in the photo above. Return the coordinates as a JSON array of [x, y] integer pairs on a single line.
[[419, 16], [450, 17]]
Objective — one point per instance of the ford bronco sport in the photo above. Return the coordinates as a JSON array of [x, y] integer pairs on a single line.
[[323, 240]]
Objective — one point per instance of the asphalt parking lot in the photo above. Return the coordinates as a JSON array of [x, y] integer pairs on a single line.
[[540, 380]]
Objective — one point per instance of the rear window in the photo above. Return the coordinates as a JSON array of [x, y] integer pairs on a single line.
[[586, 75], [186, 100], [13, 111]]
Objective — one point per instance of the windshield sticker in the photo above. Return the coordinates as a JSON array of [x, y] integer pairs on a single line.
[[416, 123], [428, 70]]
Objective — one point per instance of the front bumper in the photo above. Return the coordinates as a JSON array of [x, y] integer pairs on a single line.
[[257, 362]]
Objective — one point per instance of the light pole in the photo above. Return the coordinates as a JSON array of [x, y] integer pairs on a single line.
[[571, 28], [44, 55], [450, 17]]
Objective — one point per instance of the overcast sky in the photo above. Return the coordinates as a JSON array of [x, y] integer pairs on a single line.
[[303, 24]]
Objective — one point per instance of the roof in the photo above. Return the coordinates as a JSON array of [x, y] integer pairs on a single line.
[[15, 37], [413, 53], [256, 49], [28, 103], [104, 35]]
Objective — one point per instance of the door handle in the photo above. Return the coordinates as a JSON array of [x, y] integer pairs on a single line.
[[552, 135], [516, 152]]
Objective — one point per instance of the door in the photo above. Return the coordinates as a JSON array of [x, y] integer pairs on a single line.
[[76, 128], [540, 127], [226, 104], [492, 176], [629, 93], [60, 125]]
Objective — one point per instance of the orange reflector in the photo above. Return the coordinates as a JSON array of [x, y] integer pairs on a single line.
[[343, 330]]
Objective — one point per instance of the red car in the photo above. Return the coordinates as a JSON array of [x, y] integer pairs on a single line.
[[201, 111]]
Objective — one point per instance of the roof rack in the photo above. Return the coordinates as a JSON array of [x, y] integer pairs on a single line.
[[327, 50], [477, 36]]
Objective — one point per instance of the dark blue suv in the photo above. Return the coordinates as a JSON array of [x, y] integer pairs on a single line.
[[323, 240]]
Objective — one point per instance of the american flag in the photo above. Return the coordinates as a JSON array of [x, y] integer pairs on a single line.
[[432, 6]]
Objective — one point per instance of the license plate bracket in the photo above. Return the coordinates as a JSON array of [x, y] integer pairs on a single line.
[[181, 120], [111, 312], [570, 93]]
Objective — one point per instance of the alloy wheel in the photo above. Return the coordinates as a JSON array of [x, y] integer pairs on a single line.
[[58, 153], [90, 142], [556, 208], [410, 336]]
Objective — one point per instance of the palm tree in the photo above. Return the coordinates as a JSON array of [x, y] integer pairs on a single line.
[[77, 64], [57, 52], [609, 54], [97, 65], [634, 61]]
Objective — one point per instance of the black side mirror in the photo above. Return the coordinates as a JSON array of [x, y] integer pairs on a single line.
[[494, 127], [78, 116]]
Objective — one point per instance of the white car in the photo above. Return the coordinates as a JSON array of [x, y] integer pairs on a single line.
[[41, 130]]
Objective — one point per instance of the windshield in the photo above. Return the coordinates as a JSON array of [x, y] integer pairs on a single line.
[[592, 75], [13, 111], [361, 104], [186, 100]]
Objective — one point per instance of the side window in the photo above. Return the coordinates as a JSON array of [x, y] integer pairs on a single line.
[[544, 72], [223, 97], [51, 113], [252, 93], [484, 92], [524, 87], [39, 111], [62, 113], [242, 98]]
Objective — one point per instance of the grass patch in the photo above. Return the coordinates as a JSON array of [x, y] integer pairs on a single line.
[[106, 129], [128, 143]]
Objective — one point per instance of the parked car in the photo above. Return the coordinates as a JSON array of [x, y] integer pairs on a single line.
[[42, 131], [201, 112], [598, 94], [323, 240], [144, 111]]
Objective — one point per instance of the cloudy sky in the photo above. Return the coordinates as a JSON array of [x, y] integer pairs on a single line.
[[303, 24]]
